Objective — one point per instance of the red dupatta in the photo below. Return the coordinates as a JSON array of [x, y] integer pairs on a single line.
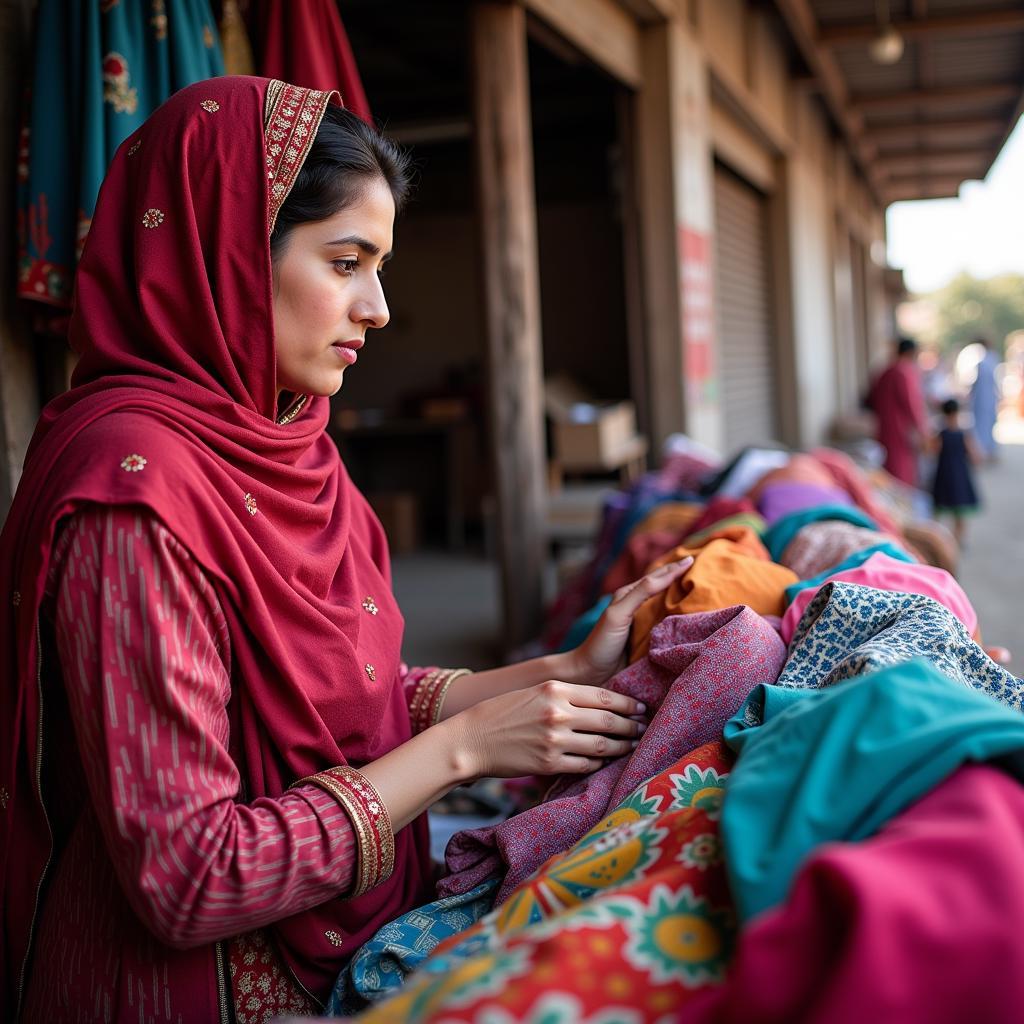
[[172, 407]]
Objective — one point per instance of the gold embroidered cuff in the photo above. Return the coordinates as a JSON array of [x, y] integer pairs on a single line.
[[428, 697], [442, 691], [375, 837]]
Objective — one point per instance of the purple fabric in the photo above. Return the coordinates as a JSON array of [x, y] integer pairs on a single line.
[[700, 669], [779, 500]]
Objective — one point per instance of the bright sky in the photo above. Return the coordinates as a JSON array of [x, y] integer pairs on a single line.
[[981, 232]]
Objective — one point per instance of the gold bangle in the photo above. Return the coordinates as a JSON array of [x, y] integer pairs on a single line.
[[419, 703], [442, 691]]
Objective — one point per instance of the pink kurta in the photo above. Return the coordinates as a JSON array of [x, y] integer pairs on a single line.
[[157, 820], [898, 401]]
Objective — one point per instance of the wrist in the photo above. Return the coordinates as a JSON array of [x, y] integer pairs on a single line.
[[571, 667], [459, 748]]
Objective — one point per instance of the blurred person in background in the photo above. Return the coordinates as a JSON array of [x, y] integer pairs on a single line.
[[985, 401], [897, 398], [953, 487]]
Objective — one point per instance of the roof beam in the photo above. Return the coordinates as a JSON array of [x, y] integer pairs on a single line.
[[914, 130], [977, 23], [948, 160], [803, 27], [1002, 92], [973, 167]]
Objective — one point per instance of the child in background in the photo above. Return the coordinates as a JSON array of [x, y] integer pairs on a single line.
[[953, 490]]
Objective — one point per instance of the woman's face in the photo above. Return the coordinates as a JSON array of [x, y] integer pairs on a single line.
[[328, 294]]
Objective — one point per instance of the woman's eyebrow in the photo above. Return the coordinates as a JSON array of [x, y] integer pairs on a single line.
[[363, 243]]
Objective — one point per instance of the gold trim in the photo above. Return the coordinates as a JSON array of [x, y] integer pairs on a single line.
[[291, 118], [370, 820], [292, 411], [438, 703]]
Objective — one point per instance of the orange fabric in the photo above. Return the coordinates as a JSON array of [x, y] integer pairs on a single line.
[[743, 537], [725, 572], [674, 516], [641, 549]]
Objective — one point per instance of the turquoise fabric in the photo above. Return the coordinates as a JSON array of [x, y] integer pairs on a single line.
[[580, 629], [380, 966], [854, 561], [100, 69], [817, 766], [778, 536]]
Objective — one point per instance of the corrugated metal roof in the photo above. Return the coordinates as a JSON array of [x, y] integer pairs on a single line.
[[949, 94]]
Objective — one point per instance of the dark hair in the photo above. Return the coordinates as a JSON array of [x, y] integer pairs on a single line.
[[905, 346], [346, 155], [950, 407]]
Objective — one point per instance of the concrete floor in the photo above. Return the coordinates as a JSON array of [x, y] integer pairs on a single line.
[[992, 564], [451, 602]]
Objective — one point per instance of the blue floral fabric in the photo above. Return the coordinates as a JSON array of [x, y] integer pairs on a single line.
[[818, 766], [380, 967], [850, 630]]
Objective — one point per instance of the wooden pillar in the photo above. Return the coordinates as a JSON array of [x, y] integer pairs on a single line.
[[19, 406], [507, 215], [677, 215]]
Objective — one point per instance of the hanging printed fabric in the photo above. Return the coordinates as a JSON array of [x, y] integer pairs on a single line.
[[100, 69]]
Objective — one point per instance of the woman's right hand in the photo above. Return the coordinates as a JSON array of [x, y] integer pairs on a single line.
[[548, 729]]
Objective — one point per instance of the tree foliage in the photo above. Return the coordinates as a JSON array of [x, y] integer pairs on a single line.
[[967, 308]]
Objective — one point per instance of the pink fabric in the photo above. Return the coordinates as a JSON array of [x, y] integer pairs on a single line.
[[699, 671], [920, 923], [883, 572], [155, 811], [897, 399], [852, 479], [174, 408]]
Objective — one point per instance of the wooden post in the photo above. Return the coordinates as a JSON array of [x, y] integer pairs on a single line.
[[507, 215]]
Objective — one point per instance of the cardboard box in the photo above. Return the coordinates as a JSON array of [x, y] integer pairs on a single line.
[[595, 436]]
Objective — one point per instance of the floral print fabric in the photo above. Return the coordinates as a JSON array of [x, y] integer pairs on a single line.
[[628, 926]]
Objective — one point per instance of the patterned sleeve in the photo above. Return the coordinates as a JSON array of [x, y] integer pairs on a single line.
[[425, 690], [143, 648]]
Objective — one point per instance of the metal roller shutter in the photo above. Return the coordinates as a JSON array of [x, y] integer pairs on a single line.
[[746, 342]]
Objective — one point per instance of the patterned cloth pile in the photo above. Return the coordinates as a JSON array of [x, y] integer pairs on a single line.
[[833, 762]]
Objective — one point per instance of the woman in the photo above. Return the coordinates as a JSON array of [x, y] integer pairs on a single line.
[[214, 770]]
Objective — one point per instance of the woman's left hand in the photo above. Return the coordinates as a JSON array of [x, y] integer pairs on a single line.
[[603, 653]]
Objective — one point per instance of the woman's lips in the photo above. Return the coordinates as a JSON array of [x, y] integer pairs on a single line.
[[348, 350]]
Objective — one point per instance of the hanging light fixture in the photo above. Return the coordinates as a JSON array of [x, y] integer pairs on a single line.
[[887, 46]]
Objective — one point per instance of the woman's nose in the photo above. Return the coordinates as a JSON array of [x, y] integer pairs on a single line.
[[372, 308]]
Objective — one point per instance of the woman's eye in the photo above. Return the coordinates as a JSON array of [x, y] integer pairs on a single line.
[[346, 266]]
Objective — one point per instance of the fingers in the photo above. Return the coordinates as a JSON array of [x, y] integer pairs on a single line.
[[589, 745], [599, 697], [575, 765], [629, 598], [606, 722]]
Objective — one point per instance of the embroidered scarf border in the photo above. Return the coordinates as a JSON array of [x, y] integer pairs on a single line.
[[290, 122]]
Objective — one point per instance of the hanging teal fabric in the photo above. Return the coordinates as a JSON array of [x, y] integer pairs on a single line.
[[100, 69]]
